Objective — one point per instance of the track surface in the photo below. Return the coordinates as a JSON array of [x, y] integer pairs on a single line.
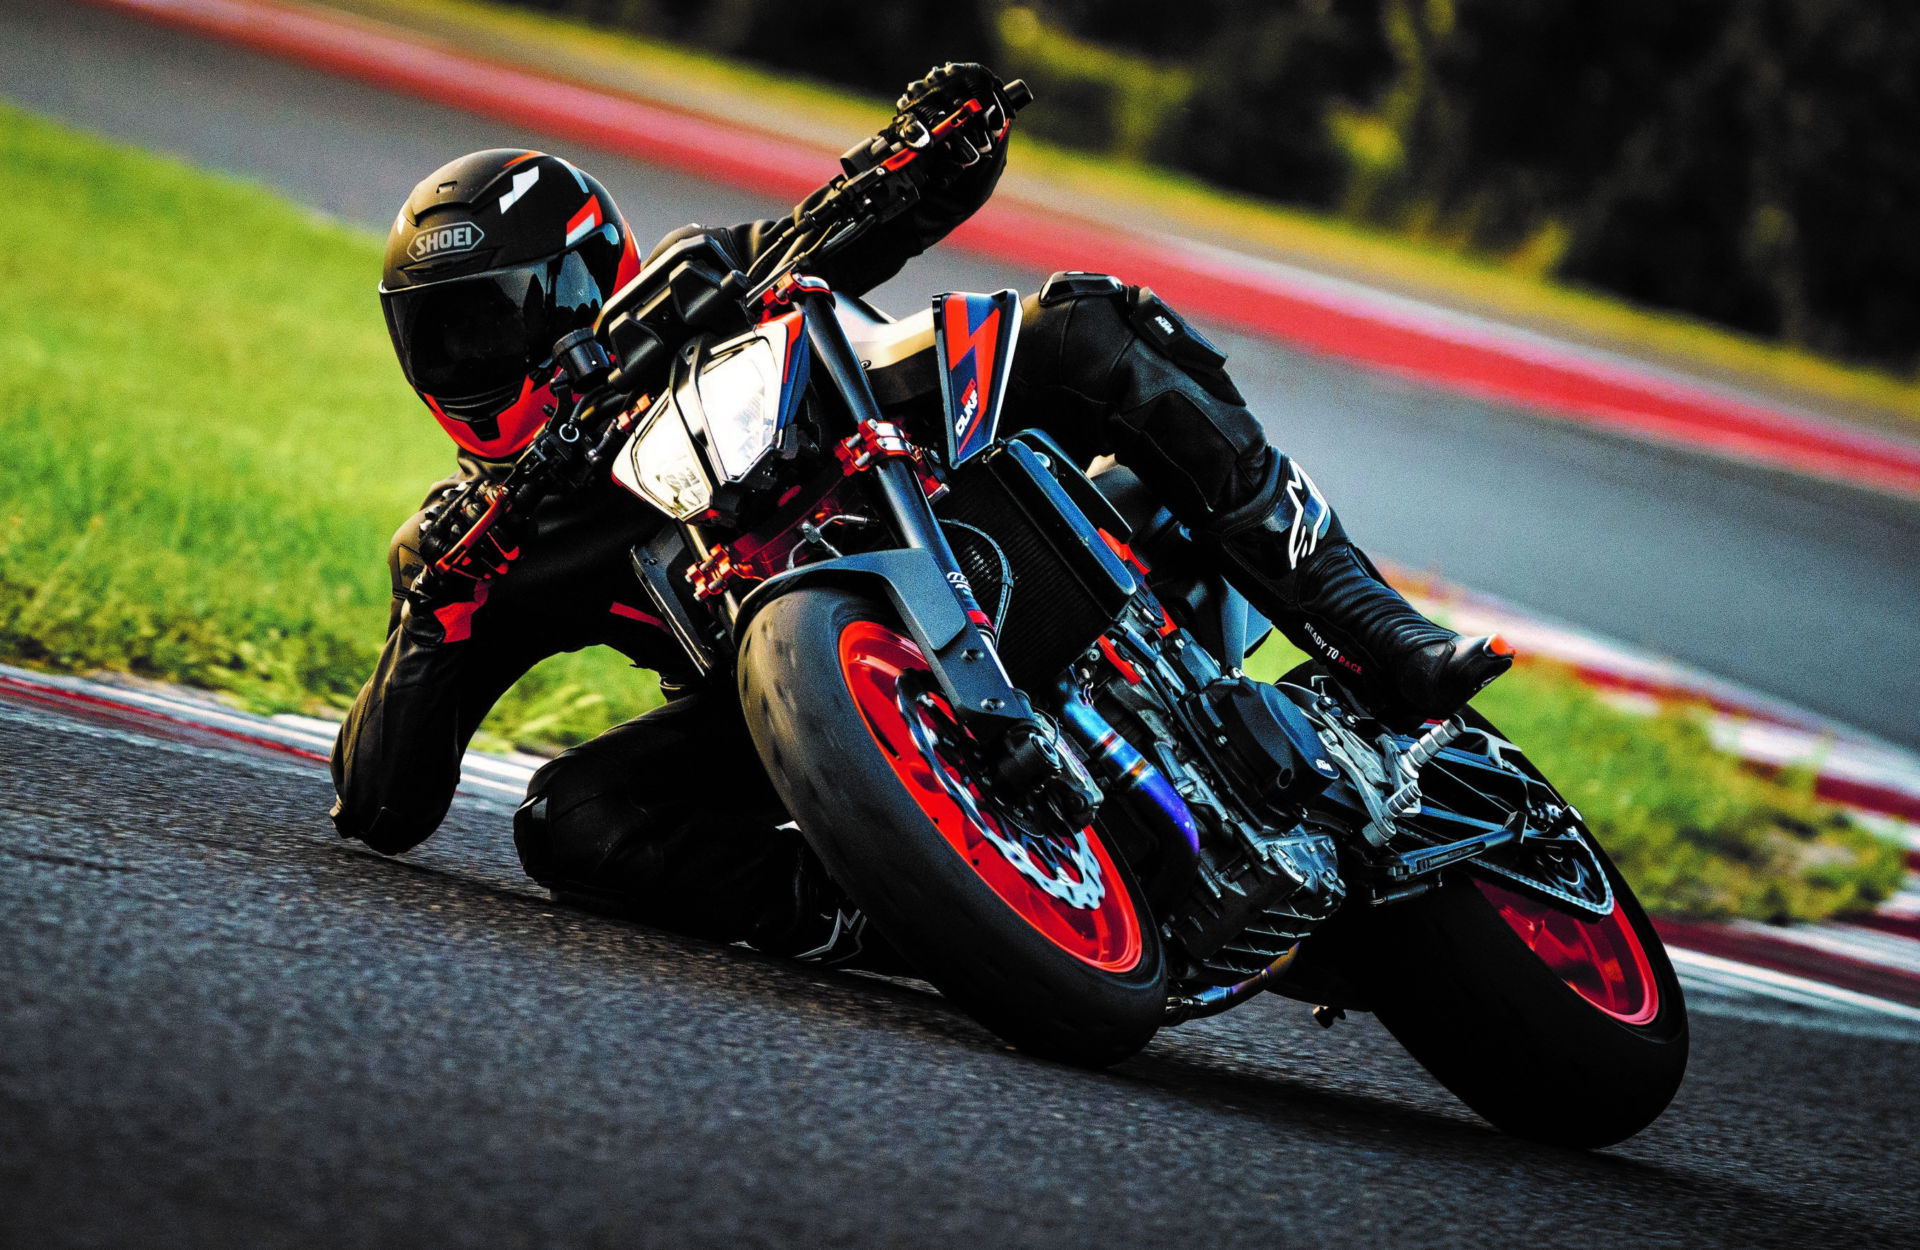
[[1805, 591], [223, 1026]]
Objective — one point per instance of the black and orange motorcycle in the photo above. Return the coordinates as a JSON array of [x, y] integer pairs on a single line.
[[1004, 703]]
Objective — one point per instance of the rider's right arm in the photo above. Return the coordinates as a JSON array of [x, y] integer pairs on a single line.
[[396, 762]]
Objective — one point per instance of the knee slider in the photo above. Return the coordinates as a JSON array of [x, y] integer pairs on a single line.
[[533, 839], [562, 830]]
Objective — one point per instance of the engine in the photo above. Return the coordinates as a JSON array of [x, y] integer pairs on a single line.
[[1025, 529], [1245, 760]]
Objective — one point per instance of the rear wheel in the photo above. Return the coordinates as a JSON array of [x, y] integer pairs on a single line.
[[1034, 927], [1553, 1023], [1555, 1027]]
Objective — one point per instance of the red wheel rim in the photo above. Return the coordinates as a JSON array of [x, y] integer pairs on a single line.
[[1600, 959], [1106, 934]]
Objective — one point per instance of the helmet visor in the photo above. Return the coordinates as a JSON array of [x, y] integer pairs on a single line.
[[487, 332]]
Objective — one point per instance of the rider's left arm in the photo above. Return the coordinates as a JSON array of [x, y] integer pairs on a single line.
[[882, 253], [948, 199]]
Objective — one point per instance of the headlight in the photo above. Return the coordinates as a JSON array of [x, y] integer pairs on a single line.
[[724, 410], [740, 397], [661, 466]]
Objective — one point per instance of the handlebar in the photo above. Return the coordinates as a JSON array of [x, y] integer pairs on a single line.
[[567, 449], [879, 180]]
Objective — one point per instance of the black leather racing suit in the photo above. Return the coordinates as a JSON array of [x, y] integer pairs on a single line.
[[669, 817]]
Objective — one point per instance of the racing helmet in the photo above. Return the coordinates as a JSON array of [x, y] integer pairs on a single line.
[[492, 258]]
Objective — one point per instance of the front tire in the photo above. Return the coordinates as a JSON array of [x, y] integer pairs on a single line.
[[841, 707]]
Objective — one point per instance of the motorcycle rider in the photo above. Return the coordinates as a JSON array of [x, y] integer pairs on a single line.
[[668, 818]]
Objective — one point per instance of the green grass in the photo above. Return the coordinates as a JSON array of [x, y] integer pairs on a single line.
[[1695, 830], [208, 445]]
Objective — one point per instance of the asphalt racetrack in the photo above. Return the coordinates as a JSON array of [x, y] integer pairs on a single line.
[[224, 1026]]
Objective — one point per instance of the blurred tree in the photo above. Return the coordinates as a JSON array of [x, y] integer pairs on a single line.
[[1776, 185], [874, 47], [1099, 97], [1145, 27], [1754, 162], [1270, 79]]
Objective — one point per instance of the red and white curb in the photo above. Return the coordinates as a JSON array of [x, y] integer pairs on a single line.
[[1316, 312], [164, 711], [1852, 767], [1835, 979]]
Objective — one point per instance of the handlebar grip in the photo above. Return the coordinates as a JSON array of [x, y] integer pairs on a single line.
[[1018, 94]]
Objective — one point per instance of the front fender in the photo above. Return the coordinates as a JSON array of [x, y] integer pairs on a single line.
[[968, 670], [909, 579]]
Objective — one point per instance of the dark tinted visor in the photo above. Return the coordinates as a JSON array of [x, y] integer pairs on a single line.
[[469, 336]]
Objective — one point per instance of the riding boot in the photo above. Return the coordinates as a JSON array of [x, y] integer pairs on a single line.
[[815, 922], [1297, 566]]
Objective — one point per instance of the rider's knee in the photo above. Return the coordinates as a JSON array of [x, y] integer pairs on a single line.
[[615, 812], [579, 811], [1156, 394], [1094, 319]]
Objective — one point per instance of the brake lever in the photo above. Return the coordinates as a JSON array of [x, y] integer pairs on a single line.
[[565, 452]]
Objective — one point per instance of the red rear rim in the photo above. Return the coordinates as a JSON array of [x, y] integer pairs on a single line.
[[1096, 922], [1601, 959]]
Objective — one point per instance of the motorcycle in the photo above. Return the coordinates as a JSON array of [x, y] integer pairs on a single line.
[[1004, 700]]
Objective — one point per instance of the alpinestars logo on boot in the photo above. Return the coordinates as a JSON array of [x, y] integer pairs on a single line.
[[460, 236]]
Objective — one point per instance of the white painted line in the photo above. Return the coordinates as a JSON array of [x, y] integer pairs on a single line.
[[509, 789], [506, 776], [1472, 329], [1785, 986], [1868, 946]]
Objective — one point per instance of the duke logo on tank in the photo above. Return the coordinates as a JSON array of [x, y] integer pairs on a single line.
[[459, 236]]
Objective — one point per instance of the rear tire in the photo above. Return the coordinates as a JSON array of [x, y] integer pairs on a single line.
[[1457, 986], [852, 800], [1510, 1036]]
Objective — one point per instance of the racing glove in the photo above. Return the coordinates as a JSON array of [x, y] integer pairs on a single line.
[[456, 573], [947, 87]]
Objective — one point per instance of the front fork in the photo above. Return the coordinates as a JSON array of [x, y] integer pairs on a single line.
[[1023, 747]]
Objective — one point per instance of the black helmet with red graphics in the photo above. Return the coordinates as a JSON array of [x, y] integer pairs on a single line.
[[492, 258]]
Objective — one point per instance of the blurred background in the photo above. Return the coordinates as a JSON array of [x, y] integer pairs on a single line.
[[1752, 162], [210, 443]]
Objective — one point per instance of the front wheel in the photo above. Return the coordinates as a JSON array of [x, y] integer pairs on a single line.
[[1035, 928]]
